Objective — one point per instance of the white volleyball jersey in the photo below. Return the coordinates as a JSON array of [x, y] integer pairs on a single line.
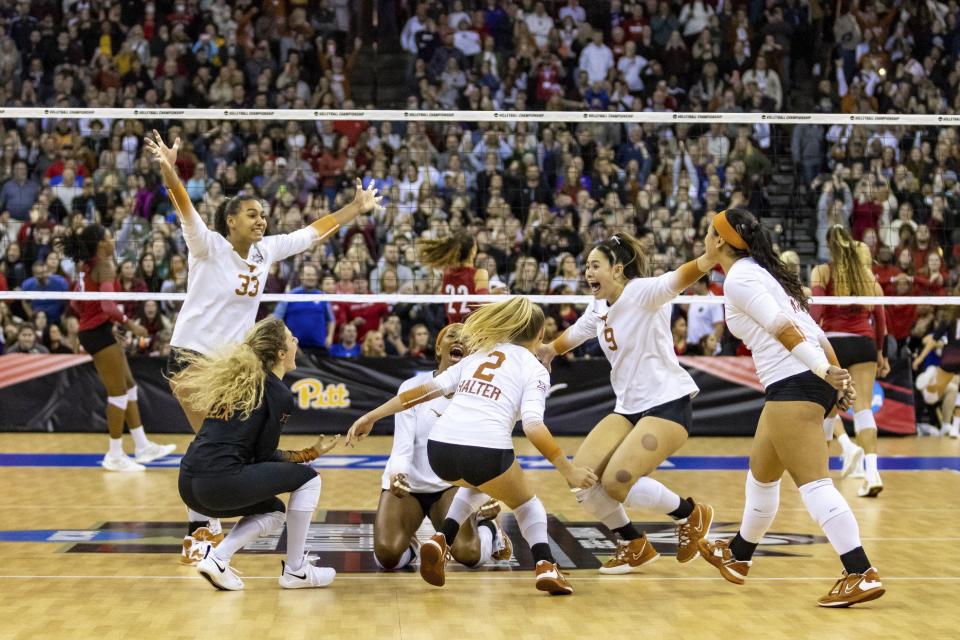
[[634, 333], [410, 431], [756, 305], [223, 289], [492, 390]]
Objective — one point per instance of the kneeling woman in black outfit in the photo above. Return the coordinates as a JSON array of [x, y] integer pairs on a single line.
[[233, 467]]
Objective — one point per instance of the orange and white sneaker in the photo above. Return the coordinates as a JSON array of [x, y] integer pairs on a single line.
[[630, 556], [552, 580], [854, 588], [719, 555], [196, 544], [502, 546], [489, 510], [692, 530], [433, 560]]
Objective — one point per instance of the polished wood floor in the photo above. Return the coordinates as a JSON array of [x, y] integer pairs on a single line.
[[910, 533]]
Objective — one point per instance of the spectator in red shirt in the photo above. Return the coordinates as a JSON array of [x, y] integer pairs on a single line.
[[885, 270], [931, 278], [365, 316]]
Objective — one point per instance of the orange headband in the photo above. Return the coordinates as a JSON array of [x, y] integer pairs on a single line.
[[727, 232]]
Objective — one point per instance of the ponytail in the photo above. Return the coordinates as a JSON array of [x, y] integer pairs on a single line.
[[449, 252], [514, 321], [848, 266], [81, 245], [623, 248], [232, 379], [760, 248]]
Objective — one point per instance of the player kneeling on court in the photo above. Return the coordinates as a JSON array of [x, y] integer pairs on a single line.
[[412, 491], [233, 467], [471, 444]]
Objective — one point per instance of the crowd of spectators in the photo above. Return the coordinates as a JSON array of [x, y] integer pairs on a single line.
[[536, 196]]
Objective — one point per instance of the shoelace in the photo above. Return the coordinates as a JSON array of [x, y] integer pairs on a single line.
[[623, 548], [836, 585], [683, 533]]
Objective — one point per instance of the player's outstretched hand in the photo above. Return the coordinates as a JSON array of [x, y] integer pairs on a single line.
[[160, 151], [368, 199]]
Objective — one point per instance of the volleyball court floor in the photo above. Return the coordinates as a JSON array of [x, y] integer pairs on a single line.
[[86, 553]]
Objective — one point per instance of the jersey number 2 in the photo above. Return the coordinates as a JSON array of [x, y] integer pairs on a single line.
[[496, 361], [452, 290], [244, 288]]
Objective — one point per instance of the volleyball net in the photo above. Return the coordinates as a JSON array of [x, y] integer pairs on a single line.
[[535, 189]]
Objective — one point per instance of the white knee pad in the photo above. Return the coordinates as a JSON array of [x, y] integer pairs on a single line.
[[598, 503], [271, 523], [823, 501], [863, 420], [120, 402], [761, 503], [532, 520], [828, 427], [306, 497], [132, 394], [647, 493], [930, 397]]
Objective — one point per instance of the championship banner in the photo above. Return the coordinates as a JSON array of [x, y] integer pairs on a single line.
[[330, 395]]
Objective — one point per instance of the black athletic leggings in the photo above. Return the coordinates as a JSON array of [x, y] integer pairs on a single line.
[[252, 491]]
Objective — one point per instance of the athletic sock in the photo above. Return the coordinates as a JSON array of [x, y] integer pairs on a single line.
[[683, 511], [742, 549], [486, 531], [628, 532], [450, 528], [298, 525], [116, 447], [845, 443], [870, 464], [855, 561], [541, 551], [193, 525], [829, 508], [140, 440]]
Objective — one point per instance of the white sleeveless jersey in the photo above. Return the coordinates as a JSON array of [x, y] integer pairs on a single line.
[[635, 336], [410, 431], [223, 289], [492, 390], [757, 309]]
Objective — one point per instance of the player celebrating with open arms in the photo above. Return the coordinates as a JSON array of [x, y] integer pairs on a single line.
[[228, 268], [471, 444], [652, 416], [767, 309]]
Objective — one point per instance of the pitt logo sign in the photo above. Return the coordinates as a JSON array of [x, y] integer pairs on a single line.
[[313, 394]]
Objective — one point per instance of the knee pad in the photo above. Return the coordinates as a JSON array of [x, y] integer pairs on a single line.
[[120, 402], [823, 501], [647, 493], [863, 420], [930, 397], [761, 503], [271, 523], [598, 503], [306, 497], [132, 394], [532, 520]]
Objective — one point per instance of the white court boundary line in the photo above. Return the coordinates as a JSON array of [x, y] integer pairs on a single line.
[[394, 298], [419, 115]]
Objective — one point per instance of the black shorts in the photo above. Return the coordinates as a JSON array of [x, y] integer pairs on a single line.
[[175, 361], [950, 358], [427, 500], [250, 492], [804, 387], [853, 350], [679, 411], [475, 465], [98, 338]]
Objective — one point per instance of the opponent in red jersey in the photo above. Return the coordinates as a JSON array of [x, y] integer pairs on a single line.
[[455, 255], [93, 249], [857, 334]]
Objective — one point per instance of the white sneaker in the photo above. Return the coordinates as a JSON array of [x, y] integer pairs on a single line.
[[871, 487], [308, 576], [120, 463], [221, 576], [925, 429], [852, 459], [153, 451], [951, 431]]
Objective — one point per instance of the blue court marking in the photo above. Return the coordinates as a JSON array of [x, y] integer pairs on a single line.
[[66, 535], [676, 463]]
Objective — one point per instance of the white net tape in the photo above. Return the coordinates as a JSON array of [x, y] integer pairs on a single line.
[[444, 299]]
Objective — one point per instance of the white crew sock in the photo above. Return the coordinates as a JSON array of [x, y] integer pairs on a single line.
[[846, 443], [870, 464], [140, 440], [116, 447]]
